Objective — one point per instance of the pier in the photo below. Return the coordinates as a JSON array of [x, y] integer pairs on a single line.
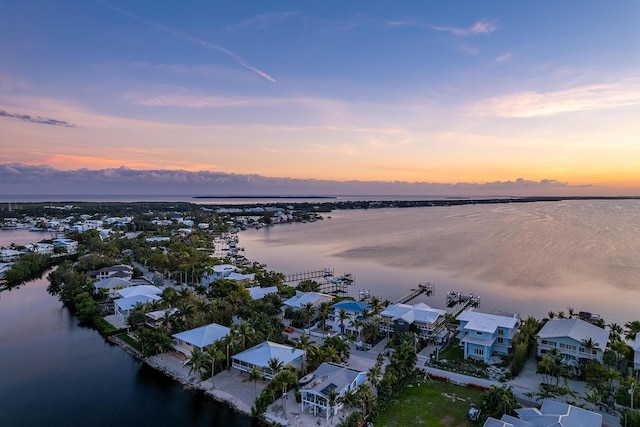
[[460, 302], [427, 288], [329, 284]]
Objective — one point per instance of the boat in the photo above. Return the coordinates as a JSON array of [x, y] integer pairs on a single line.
[[306, 379]]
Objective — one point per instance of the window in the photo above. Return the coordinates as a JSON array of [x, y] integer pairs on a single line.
[[500, 340], [478, 351], [478, 333], [500, 331]]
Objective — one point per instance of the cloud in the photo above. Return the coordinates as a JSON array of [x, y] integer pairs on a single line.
[[578, 99], [480, 27], [9, 82], [261, 22], [191, 39], [37, 119], [200, 101], [21, 179], [505, 57]]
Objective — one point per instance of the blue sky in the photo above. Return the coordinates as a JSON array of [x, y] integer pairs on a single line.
[[434, 92]]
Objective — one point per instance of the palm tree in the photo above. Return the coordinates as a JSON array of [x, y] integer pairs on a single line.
[[590, 345], [198, 360], [633, 328], [499, 400], [215, 355], [551, 315], [286, 377], [229, 342], [571, 312], [309, 347], [332, 398], [342, 316], [374, 376], [616, 332], [308, 313], [255, 375], [245, 334], [369, 331], [324, 309], [275, 365]]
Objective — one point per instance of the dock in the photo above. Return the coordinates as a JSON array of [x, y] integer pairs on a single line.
[[426, 288], [329, 283], [460, 302]]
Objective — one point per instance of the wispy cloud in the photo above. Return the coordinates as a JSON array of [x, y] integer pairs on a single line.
[[191, 39], [10, 82], [578, 99], [199, 101], [505, 57], [37, 119], [480, 27], [261, 22]]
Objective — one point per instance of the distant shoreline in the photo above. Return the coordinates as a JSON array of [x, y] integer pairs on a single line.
[[264, 197]]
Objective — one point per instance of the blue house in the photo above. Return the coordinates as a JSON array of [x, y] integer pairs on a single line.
[[483, 334], [353, 309]]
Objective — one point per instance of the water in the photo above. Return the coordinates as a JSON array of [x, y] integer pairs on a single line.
[[54, 372], [526, 258]]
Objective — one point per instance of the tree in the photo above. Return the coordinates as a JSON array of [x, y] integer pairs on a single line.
[[255, 375], [308, 313], [591, 346], [498, 401], [324, 309], [274, 365], [632, 328], [198, 361], [342, 316], [616, 332], [332, 398], [215, 356]]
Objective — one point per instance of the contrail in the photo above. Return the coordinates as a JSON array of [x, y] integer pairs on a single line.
[[191, 39]]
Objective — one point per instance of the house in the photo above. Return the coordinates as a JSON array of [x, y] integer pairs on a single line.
[[243, 279], [69, 245], [485, 334], [200, 338], [399, 317], [156, 318], [4, 267], [41, 248], [551, 414], [111, 284], [123, 306], [568, 336], [301, 298], [138, 290], [217, 272], [328, 377], [353, 311], [10, 255], [121, 271], [258, 293], [636, 352], [261, 354]]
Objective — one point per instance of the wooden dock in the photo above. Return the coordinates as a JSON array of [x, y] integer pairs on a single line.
[[459, 302], [427, 288], [329, 284]]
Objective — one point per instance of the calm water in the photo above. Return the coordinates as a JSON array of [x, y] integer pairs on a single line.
[[56, 373], [525, 258]]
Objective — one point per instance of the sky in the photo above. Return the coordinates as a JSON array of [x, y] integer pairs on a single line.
[[497, 97]]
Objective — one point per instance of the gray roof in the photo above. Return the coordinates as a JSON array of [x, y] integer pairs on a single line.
[[485, 322], [139, 290], [112, 283], [204, 335], [553, 413], [331, 376], [261, 353], [302, 298], [129, 302], [259, 293], [575, 329]]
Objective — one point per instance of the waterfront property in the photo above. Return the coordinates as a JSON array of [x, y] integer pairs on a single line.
[[329, 377], [636, 352], [124, 306], [399, 317], [138, 290], [70, 246], [257, 292], [112, 284], [301, 298], [216, 272], [154, 319], [484, 334], [41, 248], [121, 271], [351, 310], [10, 255], [261, 354], [200, 338], [568, 336], [551, 414]]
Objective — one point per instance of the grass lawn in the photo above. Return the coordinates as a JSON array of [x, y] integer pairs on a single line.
[[432, 404]]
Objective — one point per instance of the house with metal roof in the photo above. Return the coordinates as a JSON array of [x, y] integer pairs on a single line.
[[139, 290], [315, 393], [399, 317], [200, 338], [551, 414], [485, 334], [261, 354], [302, 298], [568, 336], [257, 292], [123, 306], [353, 310]]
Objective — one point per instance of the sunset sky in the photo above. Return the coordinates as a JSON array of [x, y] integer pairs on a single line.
[[424, 91]]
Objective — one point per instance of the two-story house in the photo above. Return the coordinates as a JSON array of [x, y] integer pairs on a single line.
[[484, 334], [569, 337], [399, 317], [344, 316]]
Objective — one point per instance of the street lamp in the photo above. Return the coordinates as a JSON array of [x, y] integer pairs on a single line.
[[631, 394]]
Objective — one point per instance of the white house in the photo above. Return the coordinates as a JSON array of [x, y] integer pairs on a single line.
[[4, 267], [261, 354], [155, 318], [123, 306], [301, 298], [111, 284], [329, 376], [484, 334], [258, 293], [218, 272], [69, 245], [41, 248], [636, 352], [139, 290], [568, 336], [10, 255], [200, 338], [121, 271], [399, 317]]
